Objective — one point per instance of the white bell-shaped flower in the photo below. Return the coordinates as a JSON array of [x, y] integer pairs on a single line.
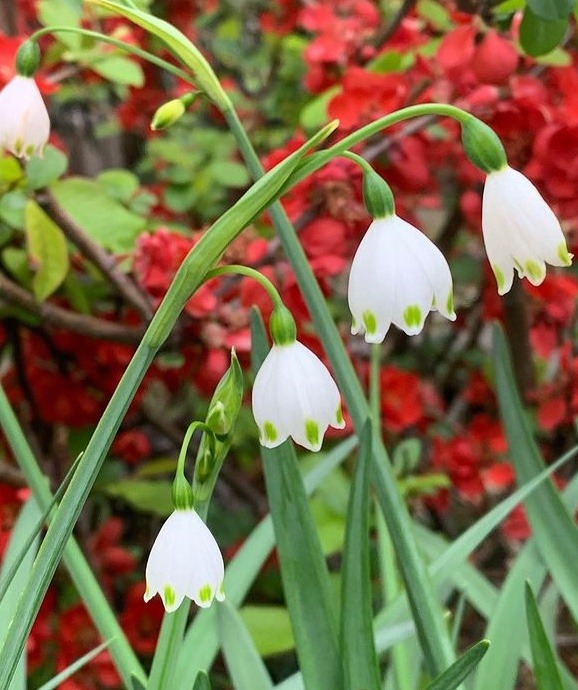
[[398, 276], [520, 230], [295, 395], [185, 561], [24, 121]]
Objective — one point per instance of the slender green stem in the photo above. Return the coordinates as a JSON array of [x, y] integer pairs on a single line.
[[374, 383], [105, 620], [237, 269], [125, 47], [426, 608]]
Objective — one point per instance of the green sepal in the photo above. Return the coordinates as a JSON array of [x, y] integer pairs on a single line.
[[482, 145], [377, 195], [28, 58], [227, 399], [282, 326], [182, 493]]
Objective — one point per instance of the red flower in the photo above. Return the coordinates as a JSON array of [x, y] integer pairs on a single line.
[[402, 399], [132, 446], [141, 621], [108, 557]]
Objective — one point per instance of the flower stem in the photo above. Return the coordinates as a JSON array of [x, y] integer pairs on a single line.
[[237, 269], [427, 612]]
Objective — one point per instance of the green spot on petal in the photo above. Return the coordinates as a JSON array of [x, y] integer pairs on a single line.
[[205, 594], [370, 322], [500, 278], [29, 150], [312, 432], [339, 415], [412, 316], [533, 270], [269, 432], [18, 146], [450, 303], [170, 596], [564, 255]]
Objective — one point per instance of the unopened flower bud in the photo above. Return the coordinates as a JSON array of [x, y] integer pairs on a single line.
[[226, 401], [171, 111], [377, 195], [28, 58], [282, 326], [483, 146], [182, 493]]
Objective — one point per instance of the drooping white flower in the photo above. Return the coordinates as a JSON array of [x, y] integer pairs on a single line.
[[397, 276], [520, 230], [294, 395], [24, 121], [185, 561]]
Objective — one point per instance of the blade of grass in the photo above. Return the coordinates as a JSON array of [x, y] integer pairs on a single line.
[[303, 569], [73, 668], [546, 670], [553, 527], [246, 668], [14, 557], [356, 635], [461, 668]]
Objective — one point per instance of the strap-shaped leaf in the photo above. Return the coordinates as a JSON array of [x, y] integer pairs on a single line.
[[76, 666], [546, 670], [554, 529], [303, 568], [202, 681], [461, 668], [246, 668], [359, 658]]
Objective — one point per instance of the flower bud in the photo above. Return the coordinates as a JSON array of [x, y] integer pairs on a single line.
[[171, 111], [226, 401], [483, 146], [377, 195], [28, 58], [282, 326], [182, 493]]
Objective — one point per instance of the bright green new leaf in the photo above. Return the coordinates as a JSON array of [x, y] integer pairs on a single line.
[[61, 13], [546, 670], [119, 184], [461, 668], [540, 36], [270, 628], [12, 205], [246, 668], [119, 69], [360, 665], [102, 217], [145, 496], [47, 251], [554, 529]]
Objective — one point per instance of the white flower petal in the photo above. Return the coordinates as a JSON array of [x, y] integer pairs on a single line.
[[397, 276], [185, 560], [24, 121], [294, 395], [520, 230]]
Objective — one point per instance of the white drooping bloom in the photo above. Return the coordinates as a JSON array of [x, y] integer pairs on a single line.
[[185, 561], [520, 229], [398, 276], [24, 121], [294, 395]]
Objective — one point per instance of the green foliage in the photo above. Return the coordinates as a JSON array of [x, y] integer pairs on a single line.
[[98, 213], [461, 668], [144, 496], [539, 36], [551, 10], [270, 628], [545, 667], [47, 251], [40, 172]]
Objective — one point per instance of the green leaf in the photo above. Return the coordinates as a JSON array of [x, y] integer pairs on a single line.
[[435, 13], [61, 13], [360, 665], [270, 628], [202, 681], [10, 169], [145, 496], [119, 184], [556, 58], [546, 670], [40, 172], [137, 684], [551, 10], [314, 114], [12, 205], [461, 668], [246, 669], [47, 251], [303, 569], [540, 36], [103, 218], [28, 517], [229, 173], [554, 529], [119, 69]]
